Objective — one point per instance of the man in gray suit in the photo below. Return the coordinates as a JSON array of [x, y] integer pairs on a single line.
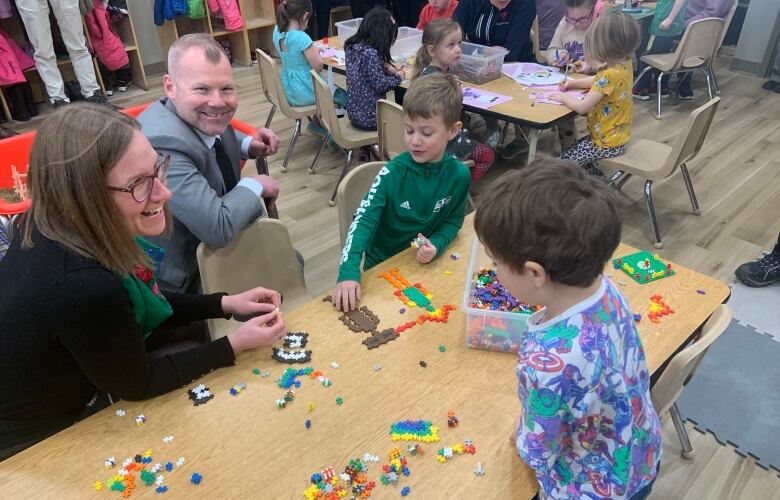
[[211, 202]]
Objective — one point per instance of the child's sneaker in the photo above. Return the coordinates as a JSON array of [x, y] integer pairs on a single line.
[[641, 94], [761, 272], [513, 149], [493, 138], [684, 92]]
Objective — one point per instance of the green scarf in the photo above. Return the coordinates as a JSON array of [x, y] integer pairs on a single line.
[[149, 306]]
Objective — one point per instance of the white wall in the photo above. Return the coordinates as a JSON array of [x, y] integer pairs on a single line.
[[757, 40]]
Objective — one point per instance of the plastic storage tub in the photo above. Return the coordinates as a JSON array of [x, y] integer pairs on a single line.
[[405, 46], [491, 330], [480, 64]]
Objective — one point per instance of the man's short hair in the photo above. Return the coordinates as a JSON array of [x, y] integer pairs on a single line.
[[554, 214], [435, 94], [211, 48]]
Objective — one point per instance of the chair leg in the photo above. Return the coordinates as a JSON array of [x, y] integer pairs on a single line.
[[658, 97], [679, 426], [296, 134], [706, 70], [613, 180], [651, 211], [503, 135], [640, 75], [319, 152], [714, 80], [270, 116], [344, 171], [689, 186]]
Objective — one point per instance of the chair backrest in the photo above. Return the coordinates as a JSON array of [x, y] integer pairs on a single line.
[[540, 55], [688, 145], [390, 128], [351, 191], [268, 73], [262, 255], [726, 24], [681, 368], [326, 109], [698, 43]]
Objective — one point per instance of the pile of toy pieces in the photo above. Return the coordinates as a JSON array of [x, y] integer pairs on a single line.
[[490, 295], [124, 479], [290, 378], [328, 485]]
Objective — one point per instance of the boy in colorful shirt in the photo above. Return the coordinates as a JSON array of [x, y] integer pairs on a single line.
[[588, 428], [419, 195]]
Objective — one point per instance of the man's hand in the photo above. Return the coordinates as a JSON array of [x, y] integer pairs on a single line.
[[347, 295], [426, 251], [270, 186], [264, 143]]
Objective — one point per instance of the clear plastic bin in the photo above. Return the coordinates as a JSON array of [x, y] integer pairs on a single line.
[[405, 46], [480, 64], [491, 330]]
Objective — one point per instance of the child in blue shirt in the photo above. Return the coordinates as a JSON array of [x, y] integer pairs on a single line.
[[298, 54], [588, 428]]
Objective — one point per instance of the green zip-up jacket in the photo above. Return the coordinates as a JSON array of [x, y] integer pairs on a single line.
[[406, 198]]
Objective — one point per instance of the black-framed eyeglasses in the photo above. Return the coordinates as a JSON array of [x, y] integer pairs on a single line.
[[142, 189], [582, 19]]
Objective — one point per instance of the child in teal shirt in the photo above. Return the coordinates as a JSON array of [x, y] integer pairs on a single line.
[[667, 26]]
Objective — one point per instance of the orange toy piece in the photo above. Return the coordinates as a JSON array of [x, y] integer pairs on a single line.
[[658, 309]]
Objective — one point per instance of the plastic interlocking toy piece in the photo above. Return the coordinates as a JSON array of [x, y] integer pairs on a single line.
[[196, 478]]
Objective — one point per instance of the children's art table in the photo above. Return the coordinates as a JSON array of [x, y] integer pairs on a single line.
[[243, 446]]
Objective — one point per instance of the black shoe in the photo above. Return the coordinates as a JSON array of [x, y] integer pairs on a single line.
[[123, 78], [684, 92], [58, 103], [771, 85], [761, 272], [96, 98], [32, 108], [18, 105]]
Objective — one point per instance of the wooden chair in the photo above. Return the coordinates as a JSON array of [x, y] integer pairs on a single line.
[[541, 56], [339, 129], [680, 371], [695, 51], [263, 255], [269, 73], [390, 127], [351, 191], [654, 161]]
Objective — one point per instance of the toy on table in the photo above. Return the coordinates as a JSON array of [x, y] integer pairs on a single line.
[[643, 267], [444, 454], [414, 430], [236, 389], [479, 471], [290, 357], [658, 309], [452, 420], [363, 320], [328, 485], [415, 296], [296, 340]]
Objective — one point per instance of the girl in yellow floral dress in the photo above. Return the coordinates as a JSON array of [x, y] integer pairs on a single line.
[[609, 43]]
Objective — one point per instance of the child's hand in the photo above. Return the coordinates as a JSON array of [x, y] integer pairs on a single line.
[[557, 96], [347, 295], [563, 58], [666, 24], [566, 84], [426, 251], [582, 67]]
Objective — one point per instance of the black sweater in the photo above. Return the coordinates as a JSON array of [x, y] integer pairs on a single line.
[[68, 331], [510, 28]]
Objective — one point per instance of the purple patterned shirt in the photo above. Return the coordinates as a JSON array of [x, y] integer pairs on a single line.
[[588, 428]]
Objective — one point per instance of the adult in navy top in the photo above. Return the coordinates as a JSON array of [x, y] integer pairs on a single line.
[[505, 23]]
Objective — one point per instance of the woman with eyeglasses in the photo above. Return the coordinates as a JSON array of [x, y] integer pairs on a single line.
[[78, 297]]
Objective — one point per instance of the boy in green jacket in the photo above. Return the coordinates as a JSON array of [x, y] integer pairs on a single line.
[[419, 195]]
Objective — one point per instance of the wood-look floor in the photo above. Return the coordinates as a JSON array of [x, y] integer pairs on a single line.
[[737, 180]]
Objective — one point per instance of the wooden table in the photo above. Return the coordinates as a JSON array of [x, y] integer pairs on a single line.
[[520, 110], [247, 448]]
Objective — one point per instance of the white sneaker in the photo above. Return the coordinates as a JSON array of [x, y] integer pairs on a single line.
[[493, 138]]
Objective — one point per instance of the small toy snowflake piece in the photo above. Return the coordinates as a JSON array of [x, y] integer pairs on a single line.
[[120, 413], [479, 471], [308, 424], [180, 462], [376, 368], [423, 364], [237, 388], [701, 292], [140, 420], [448, 272], [454, 256], [417, 242], [157, 467], [281, 403], [110, 463], [161, 489], [159, 479], [167, 439], [310, 406], [339, 401], [169, 466], [196, 478], [370, 458], [442, 348], [98, 486], [405, 491], [256, 371], [333, 364], [127, 462]]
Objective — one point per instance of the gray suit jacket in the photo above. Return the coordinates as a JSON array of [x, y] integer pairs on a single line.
[[201, 208]]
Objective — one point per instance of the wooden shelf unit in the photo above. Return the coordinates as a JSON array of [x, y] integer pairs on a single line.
[[124, 29], [259, 21]]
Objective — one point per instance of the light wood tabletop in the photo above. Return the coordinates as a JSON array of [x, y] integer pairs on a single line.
[[245, 447]]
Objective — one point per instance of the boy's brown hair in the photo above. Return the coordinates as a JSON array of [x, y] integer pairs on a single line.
[[554, 214], [613, 36], [438, 94]]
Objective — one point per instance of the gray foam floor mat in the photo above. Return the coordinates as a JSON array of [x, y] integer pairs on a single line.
[[735, 393], [757, 307]]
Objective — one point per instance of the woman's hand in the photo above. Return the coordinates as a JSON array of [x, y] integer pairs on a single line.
[[347, 295], [426, 251], [258, 332], [256, 300]]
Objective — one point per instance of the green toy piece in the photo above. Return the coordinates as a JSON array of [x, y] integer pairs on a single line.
[[643, 267]]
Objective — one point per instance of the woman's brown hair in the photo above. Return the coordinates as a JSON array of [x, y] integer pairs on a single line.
[[433, 34], [73, 151]]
